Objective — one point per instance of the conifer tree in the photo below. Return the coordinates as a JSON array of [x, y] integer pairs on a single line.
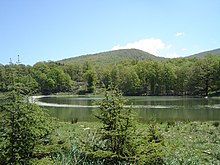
[[119, 141], [118, 131], [22, 127]]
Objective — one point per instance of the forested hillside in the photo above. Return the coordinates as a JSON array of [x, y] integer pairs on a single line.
[[215, 52], [139, 76], [111, 57]]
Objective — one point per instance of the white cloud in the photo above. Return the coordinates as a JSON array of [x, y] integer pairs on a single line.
[[179, 34], [150, 45], [154, 46]]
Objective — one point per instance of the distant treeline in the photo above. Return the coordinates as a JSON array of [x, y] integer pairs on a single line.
[[180, 76]]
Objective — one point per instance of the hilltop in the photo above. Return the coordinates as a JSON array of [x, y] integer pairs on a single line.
[[215, 52], [111, 57], [118, 56]]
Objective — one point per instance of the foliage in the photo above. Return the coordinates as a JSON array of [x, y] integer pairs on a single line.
[[130, 82], [132, 71], [22, 127], [51, 78], [118, 140], [181, 142], [215, 52], [90, 79], [117, 134], [111, 57]]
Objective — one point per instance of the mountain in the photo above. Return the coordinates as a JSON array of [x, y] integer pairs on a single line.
[[215, 52], [111, 57], [117, 56]]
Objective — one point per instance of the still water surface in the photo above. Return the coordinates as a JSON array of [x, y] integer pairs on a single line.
[[164, 108]]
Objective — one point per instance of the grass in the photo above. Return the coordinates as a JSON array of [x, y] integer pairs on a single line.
[[192, 143], [184, 142]]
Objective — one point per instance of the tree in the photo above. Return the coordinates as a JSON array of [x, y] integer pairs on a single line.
[[130, 82], [106, 78], [74, 71], [154, 77], [117, 134], [168, 78], [2, 79], [115, 76], [118, 141], [203, 76], [217, 76], [22, 127], [90, 78], [62, 81], [142, 72]]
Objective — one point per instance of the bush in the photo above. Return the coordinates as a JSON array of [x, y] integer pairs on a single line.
[[216, 123]]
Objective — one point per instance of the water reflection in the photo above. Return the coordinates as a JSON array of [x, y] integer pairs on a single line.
[[162, 108]]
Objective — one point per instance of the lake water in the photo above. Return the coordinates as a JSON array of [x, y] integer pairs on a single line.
[[164, 108]]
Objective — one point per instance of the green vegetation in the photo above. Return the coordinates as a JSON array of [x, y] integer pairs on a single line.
[[111, 57], [95, 142], [45, 78], [23, 128], [28, 136], [202, 54], [115, 140], [133, 75], [183, 142]]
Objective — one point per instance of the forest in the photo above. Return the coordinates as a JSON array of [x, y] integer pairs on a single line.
[[180, 76], [28, 135]]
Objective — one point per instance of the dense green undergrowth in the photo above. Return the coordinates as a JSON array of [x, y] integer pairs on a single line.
[[184, 142]]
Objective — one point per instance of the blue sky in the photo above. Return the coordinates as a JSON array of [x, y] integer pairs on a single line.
[[42, 30]]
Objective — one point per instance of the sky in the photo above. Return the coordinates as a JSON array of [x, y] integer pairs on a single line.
[[42, 30]]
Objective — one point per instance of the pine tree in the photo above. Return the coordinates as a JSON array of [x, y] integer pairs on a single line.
[[119, 141], [118, 131], [22, 127]]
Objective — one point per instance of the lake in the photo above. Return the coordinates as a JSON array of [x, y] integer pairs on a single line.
[[163, 108]]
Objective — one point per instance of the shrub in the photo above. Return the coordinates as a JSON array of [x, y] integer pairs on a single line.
[[216, 123]]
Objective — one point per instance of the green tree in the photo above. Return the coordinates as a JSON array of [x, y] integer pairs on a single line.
[[2, 79], [118, 141], [182, 74], [168, 77], [74, 71], [118, 131], [154, 77], [142, 72], [203, 76], [115, 75], [41, 67], [46, 85], [150, 146], [62, 81], [106, 78], [90, 78], [130, 82], [51, 78], [217, 76], [22, 127], [86, 66]]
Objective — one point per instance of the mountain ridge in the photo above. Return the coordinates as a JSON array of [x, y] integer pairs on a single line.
[[215, 52], [117, 56], [112, 57]]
